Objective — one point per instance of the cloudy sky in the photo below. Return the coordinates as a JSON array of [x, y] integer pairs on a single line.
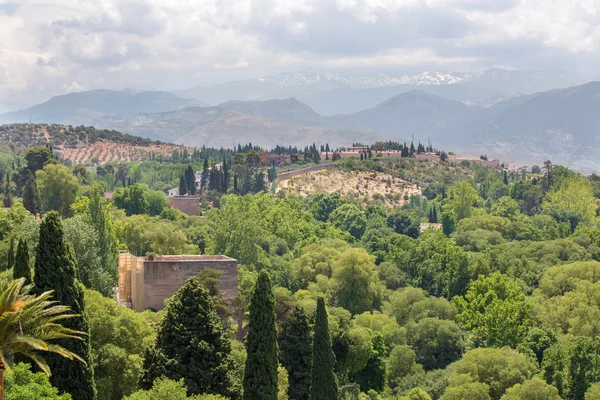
[[50, 47]]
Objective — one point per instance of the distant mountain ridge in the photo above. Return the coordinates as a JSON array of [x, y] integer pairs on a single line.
[[81, 107], [331, 93]]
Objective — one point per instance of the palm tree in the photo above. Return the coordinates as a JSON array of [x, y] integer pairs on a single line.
[[28, 323]]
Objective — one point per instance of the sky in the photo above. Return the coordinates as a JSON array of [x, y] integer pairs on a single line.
[[50, 47]]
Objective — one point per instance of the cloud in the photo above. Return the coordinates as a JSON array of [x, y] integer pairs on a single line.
[[47, 46]]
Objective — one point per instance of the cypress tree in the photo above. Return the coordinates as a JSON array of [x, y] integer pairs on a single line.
[[434, 215], [296, 354], [323, 381], [31, 196], [260, 375], [182, 186], [22, 268], [192, 345], [190, 180], [11, 254], [55, 269]]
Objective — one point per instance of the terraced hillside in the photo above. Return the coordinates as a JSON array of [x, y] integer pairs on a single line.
[[85, 145]]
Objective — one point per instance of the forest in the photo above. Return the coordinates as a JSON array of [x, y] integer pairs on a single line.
[[483, 287]]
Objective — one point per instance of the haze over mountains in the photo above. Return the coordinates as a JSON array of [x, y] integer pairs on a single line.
[[520, 116]]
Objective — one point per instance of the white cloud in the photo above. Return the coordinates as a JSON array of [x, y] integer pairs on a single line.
[[47, 46]]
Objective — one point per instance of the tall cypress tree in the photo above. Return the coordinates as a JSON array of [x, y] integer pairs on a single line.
[[31, 196], [182, 185], [192, 345], [55, 269], [190, 180], [10, 261], [296, 354], [22, 268], [260, 375], [323, 382]]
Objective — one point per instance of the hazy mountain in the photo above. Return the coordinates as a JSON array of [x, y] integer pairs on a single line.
[[561, 125], [83, 107], [413, 113], [287, 110], [333, 93], [8, 106], [217, 126]]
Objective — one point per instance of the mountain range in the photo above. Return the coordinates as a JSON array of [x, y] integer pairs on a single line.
[[478, 113]]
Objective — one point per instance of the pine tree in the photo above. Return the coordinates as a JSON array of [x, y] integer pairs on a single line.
[[10, 262], [260, 375], [31, 196], [323, 381], [182, 186], [22, 268], [192, 345], [55, 269], [296, 354]]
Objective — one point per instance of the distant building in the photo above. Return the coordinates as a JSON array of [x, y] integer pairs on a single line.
[[173, 192], [146, 282], [280, 160], [189, 205]]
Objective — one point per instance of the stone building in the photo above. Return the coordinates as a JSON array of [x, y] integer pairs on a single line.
[[189, 205], [145, 282]]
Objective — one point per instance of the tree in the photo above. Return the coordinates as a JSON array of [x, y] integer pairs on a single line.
[[372, 376], [182, 185], [355, 282], [190, 180], [32, 324], [58, 189], [10, 261], [55, 270], [166, 389], [349, 218], [572, 366], [132, 199], [38, 157], [31, 196], [22, 268], [495, 310], [405, 224], [22, 384], [295, 354], [120, 338], [323, 380], [260, 375], [461, 198], [500, 369], [401, 362], [574, 195], [534, 389], [106, 240], [192, 345], [437, 342]]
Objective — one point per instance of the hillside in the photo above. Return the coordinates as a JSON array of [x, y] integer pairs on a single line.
[[561, 125], [83, 107], [362, 186], [413, 113], [219, 127], [85, 144]]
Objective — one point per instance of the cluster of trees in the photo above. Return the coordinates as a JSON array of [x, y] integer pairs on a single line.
[[338, 298]]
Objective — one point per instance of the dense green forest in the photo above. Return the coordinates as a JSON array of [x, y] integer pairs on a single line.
[[483, 287]]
